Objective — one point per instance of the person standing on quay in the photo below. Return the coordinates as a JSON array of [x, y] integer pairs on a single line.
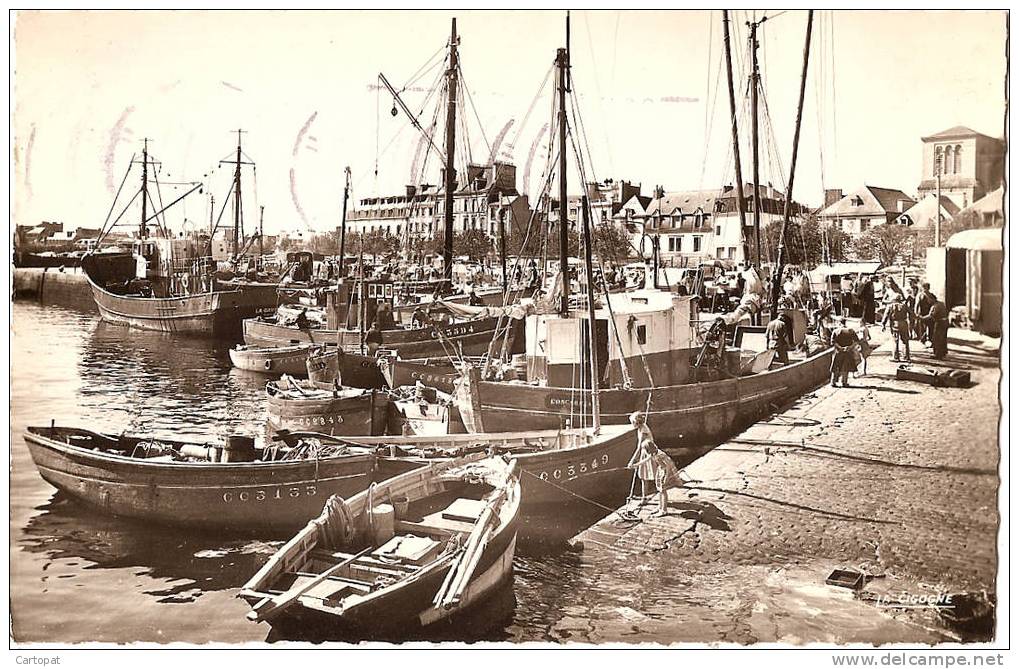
[[897, 317], [924, 301], [936, 320], [844, 340], [865, 293]]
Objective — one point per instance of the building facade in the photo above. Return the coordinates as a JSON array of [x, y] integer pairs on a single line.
[[691, 227], [865, 208], [485, 196]]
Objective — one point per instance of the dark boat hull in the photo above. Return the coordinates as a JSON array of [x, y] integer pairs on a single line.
[[235, 497], [596, 472], [363, 414], [681, 416], [439, 375]]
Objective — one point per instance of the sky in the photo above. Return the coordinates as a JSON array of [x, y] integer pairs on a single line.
[[651, 90]]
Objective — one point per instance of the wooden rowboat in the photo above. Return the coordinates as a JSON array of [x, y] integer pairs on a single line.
[[197, 485], [406, 553], [341, 411]]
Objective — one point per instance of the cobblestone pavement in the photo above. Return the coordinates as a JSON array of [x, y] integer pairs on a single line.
[[897, 479]]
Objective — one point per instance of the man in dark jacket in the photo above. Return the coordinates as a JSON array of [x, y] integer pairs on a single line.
[[845, 341], [373, 338], [936, 319], [924, 301], [865, 293], [780, 337]]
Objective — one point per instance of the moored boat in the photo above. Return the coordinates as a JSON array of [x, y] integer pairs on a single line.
[[557, 466], [293, 405], [166, 283], [680, 415], [407, 553], [472, 337], [272, 359], [232, 486]]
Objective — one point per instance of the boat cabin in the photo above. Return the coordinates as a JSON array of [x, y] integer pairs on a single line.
[[652, 332]]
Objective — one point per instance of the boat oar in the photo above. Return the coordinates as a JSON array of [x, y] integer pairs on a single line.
[[463, 568], [271, 607]]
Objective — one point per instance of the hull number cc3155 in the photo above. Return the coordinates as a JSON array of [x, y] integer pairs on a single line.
[[273, 495]]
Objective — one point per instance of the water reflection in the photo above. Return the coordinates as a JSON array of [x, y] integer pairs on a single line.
[[188, 563], [162, 383]]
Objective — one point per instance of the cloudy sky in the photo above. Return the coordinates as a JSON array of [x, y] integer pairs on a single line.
[[90, 85]]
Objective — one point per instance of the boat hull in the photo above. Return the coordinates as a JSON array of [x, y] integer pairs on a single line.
[[688, 415], [214, 314], [364, 414], [595, 472], [439, 375], [276, 361], [250, 497], [551, 475], [471, 337]]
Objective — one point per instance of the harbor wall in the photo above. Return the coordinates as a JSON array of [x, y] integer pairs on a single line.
[[63, 285]]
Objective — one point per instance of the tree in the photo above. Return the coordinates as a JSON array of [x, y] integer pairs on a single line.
[[378, 243], [326, 244], [474, 244], [807, 243], [885, 243], [964, 220], [611, 242]]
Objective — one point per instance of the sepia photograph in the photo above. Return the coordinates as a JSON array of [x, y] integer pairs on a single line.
[[494, 329]]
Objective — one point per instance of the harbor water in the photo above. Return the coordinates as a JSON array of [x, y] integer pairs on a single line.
[[79, 575]]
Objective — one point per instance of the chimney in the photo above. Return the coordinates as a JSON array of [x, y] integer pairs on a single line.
[[411, 191], [832, 195], [442, 177]]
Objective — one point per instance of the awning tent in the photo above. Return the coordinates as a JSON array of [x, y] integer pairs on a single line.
[[977, 239]]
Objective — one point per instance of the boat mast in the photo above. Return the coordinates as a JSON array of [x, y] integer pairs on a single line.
[[776, 281], [595, 404], [261, 246], [755, 77], [741, 204], [451, 86], [502, 252], [563, 64], [237, 197], [142, 229], [343, 218]]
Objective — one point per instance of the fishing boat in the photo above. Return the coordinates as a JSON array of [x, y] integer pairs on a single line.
[[471, 337], [272, 359], [296, 405], [439, 373], [165, 283], [404, 554], [596, 361], [229, 486], [556, 466]]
